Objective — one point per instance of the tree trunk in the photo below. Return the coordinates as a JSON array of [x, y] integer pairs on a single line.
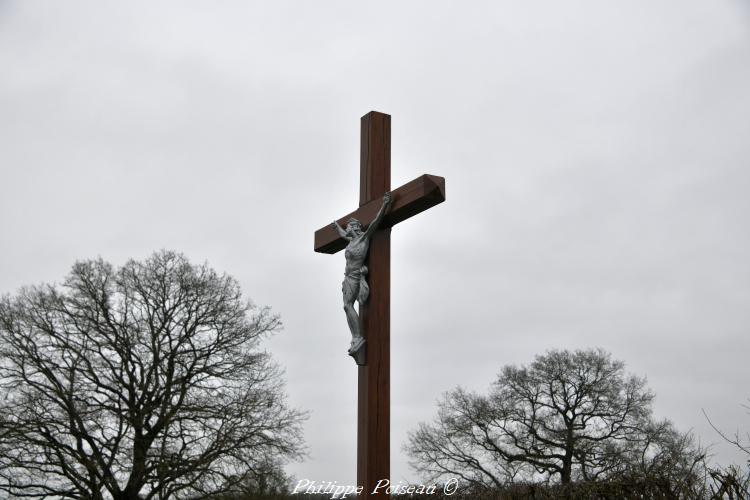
[[566, 469], [138, 470], [567, 466]]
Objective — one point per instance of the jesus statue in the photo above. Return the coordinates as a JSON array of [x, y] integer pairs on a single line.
[[355, 285]]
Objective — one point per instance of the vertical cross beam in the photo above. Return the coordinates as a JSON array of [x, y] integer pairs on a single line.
[[373, 404]]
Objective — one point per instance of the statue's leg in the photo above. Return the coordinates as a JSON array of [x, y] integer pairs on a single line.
[[351, 289]]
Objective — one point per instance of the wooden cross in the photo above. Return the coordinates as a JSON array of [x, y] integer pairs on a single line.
[[373, 405]]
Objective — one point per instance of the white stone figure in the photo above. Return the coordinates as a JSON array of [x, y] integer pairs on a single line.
[[355, 285]]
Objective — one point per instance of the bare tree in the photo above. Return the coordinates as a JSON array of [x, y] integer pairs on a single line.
[[732, 481], [739, 441], [568, 416], [141, 382]]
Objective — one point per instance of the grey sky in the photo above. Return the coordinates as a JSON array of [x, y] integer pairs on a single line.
[[595, 155]]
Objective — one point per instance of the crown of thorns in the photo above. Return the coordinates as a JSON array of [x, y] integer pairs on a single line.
[[353, 221]]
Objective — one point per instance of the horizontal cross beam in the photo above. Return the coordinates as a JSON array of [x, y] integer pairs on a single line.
[[408, 200]]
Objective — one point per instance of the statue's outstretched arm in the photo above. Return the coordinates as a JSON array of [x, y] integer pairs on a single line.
[[378, 218], [340, 230]]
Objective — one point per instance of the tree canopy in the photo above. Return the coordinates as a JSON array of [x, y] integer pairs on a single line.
[[146, 381], [567, 416]]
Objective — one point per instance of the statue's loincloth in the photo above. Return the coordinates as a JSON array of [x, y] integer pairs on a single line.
[[355, 285]]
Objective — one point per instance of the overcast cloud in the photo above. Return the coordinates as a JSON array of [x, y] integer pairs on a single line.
[[595, 156]]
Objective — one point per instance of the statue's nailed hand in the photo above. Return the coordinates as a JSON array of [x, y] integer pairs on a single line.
[[387, 198]]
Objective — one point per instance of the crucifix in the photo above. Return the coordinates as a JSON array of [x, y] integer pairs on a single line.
[[379, 210]]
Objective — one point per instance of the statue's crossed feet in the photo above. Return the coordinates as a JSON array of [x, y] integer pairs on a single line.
[[357, 350]]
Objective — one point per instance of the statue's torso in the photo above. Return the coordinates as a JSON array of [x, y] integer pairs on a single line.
[[356, 253]]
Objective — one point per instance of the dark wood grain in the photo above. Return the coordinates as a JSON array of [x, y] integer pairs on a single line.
[[374, 396], [408, 200]]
